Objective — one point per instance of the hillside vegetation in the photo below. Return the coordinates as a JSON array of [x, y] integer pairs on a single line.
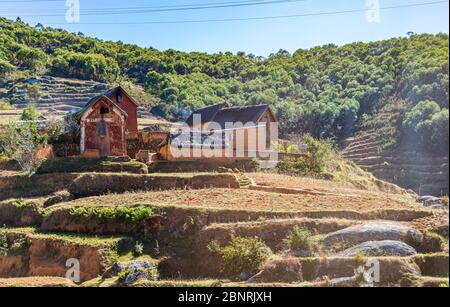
[[327, 91]]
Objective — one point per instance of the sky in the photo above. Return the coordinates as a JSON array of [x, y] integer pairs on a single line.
[[319, 22]]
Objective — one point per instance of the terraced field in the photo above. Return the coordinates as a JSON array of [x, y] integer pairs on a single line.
[[424, 173], [155, 230], [57, 96]]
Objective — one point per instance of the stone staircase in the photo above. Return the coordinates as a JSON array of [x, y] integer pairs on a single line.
[[423, 173]]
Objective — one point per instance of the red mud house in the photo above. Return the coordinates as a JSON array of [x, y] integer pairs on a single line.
[[106, 123], [220, 132]]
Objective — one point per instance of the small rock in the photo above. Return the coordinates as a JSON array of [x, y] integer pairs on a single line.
[[114, 270], [32, 80], [380, 248], [58, 197], [138, 270], [100, 87], [136, 276], [429, 200]]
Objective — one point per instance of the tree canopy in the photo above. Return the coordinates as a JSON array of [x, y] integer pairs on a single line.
[[326, 91]]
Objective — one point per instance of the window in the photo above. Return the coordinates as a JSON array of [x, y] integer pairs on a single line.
[[119, 97], [104, 110]]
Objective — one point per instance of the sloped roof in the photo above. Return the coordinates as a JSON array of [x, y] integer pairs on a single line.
[[207, 114], [79, 113], [242, 114], [110, 93], [222, 114]]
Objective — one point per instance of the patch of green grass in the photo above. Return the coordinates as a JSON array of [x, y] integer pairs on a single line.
[[69, 238], [123, 214]]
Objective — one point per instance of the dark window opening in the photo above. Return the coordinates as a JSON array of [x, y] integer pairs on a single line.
[[119, 98], [104, 110]]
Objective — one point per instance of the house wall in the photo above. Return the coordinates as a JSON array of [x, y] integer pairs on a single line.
[[131, 126], [115, 123], [246, 143]]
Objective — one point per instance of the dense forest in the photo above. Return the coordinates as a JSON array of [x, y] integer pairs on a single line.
[[327, 91]]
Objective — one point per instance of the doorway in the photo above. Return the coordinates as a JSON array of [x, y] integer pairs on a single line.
[[104, 142]]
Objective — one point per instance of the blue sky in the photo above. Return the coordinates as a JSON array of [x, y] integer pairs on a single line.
[[260, 37]]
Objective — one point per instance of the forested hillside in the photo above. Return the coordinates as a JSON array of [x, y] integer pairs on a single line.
[[328, 91]]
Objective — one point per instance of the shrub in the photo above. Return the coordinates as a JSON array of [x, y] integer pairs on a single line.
[[5, 105], [300, 238], [21, 143], [244, 255], [26, 57], [138, 249], [313, 158], [3, 245], [29, 113], [5, 68], [129, 215], [428, 124]]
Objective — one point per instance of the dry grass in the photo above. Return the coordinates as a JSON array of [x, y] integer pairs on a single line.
[[325, 186], [36, 282], [438, 219], [9, 115], [244, 200]]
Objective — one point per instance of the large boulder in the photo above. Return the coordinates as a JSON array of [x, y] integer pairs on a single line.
[[132, 271], [380, 248], [429, 200], [374, 231]]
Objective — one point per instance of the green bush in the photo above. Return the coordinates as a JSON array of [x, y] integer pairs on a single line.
[[428, 124], [26, 57], [445, 200], [5, 68], [300, 238], [5, 105], [311, 160], [85, 66], [29, 113], [128, 215], [244, 255]]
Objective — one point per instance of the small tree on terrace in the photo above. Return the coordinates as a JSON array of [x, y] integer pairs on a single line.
[[21, 141]]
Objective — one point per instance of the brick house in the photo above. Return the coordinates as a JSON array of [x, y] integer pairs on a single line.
[[106, 123]]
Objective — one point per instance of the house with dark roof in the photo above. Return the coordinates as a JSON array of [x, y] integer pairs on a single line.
[[221, 132], [106, 123]]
